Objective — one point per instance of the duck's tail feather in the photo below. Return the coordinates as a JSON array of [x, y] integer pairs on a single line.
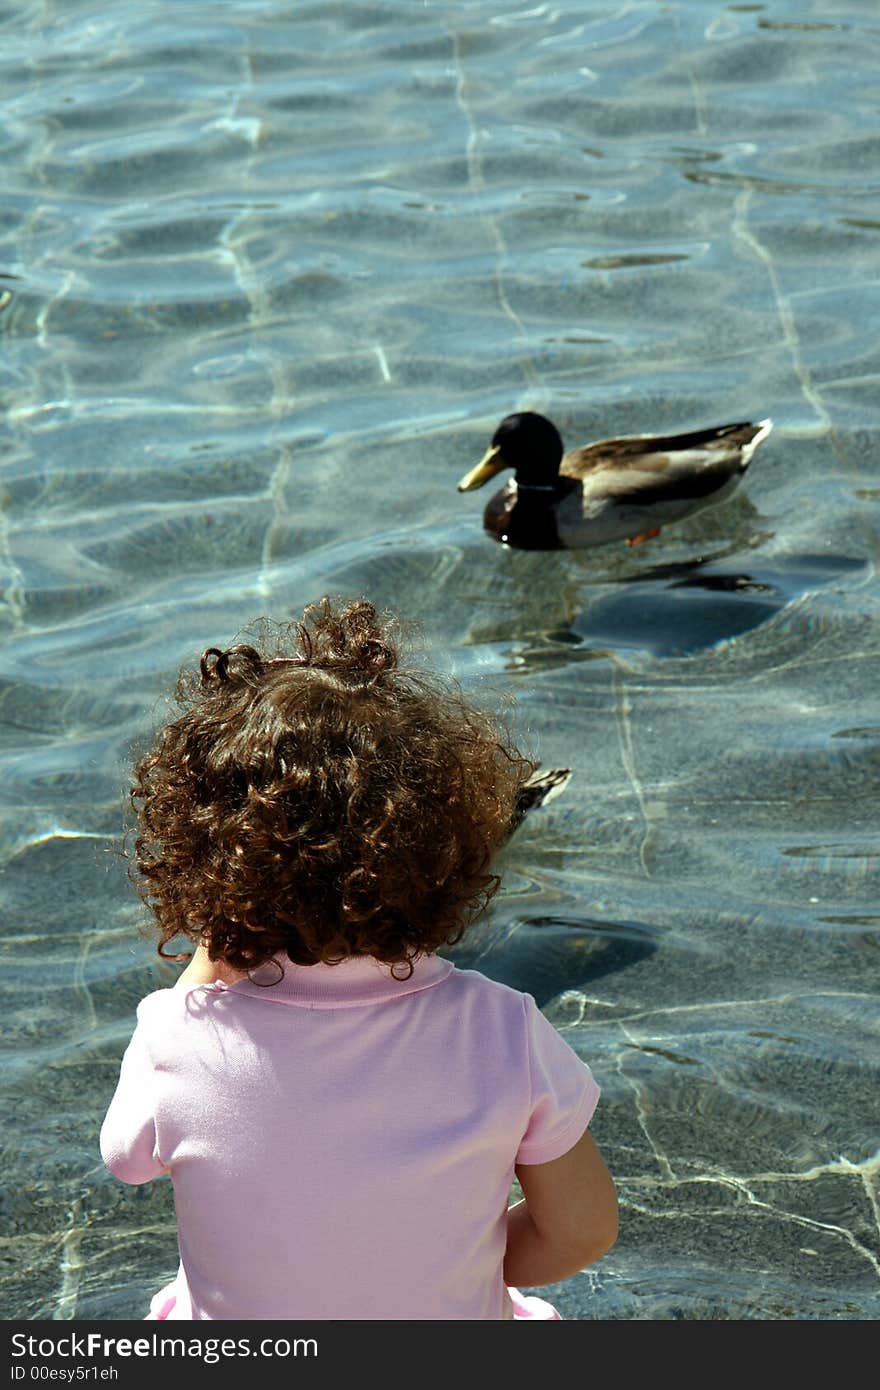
[[540, 788], [762, 429]]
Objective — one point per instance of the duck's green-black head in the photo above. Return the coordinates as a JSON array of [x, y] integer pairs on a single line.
[[526, 442]]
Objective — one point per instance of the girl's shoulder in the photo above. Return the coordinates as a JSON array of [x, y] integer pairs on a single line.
[[493, 994], [498, 1002], [176, 1002]]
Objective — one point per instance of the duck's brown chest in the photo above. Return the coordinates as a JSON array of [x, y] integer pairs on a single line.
[[522, 518]]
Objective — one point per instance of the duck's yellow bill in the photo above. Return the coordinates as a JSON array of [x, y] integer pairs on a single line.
[[488, 466]]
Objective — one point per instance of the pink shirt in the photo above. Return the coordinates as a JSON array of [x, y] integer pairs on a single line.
[[341, 1143]]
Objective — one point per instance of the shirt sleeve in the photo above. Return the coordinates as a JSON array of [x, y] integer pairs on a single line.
[[128, 1135], [563, 1092]]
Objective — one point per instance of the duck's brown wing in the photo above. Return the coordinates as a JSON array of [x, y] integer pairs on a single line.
[[656, 453], [647, 469]]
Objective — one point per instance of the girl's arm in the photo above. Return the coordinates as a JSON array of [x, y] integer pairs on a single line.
[[568, 1217], [129, 1146]]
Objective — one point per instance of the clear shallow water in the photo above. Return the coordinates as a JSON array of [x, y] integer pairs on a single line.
[[270, 275]]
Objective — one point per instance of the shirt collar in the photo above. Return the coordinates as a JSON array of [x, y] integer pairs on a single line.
[[356, 981]]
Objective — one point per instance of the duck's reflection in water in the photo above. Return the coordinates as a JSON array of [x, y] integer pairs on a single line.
[[547, 955], [676, 610]]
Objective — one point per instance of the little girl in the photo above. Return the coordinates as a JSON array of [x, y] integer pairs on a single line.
[[340, 1109]]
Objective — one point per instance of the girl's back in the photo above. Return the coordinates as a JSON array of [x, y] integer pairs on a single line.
[[342, 1144]]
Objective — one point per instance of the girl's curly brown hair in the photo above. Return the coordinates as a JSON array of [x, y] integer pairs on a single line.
[[324, 803]]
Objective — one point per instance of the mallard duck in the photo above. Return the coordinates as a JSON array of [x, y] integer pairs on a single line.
[[615, 489]]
